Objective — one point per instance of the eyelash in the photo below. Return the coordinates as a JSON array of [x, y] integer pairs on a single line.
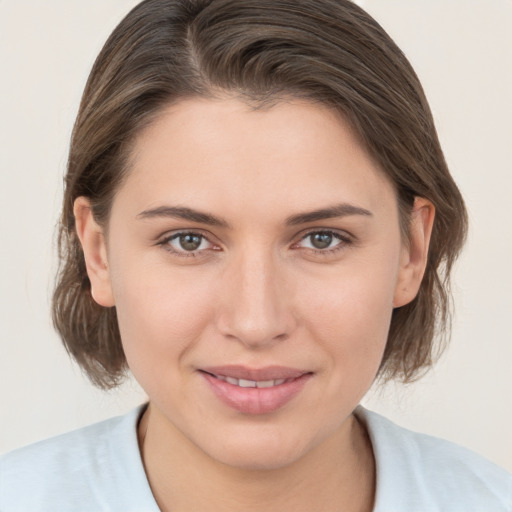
[[343, 241], [165, 243]]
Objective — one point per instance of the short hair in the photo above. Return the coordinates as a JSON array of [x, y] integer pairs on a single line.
[[330, 52]]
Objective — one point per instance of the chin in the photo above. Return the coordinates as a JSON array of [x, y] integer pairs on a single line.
[[258, 460], [259, 452]]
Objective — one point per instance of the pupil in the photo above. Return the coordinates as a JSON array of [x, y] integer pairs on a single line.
[[321, 240], [190, 242]]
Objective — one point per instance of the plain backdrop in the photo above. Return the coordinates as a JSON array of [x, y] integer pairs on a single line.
[[462, 51]]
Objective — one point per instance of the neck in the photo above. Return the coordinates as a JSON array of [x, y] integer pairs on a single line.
[[337, 475]]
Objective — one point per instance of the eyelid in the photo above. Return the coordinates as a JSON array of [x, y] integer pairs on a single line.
[[164, 240], [343, 238], [339, 233]]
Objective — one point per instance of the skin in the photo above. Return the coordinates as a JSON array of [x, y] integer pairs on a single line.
[[257, 292]]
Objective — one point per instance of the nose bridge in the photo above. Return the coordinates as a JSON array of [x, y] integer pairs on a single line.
[[256, 309]]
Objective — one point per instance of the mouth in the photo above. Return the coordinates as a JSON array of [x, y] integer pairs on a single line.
[[246, 383], [255, 391]]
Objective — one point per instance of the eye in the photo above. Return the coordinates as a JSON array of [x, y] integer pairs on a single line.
[[323, 241], [186, 243]]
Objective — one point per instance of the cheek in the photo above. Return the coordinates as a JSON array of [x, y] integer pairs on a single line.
[[161, 313], [349, 313]]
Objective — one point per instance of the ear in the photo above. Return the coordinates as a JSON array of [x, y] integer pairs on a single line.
[[94, 247], [414, 254]]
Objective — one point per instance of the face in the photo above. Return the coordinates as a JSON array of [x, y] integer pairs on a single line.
[[254, 259]]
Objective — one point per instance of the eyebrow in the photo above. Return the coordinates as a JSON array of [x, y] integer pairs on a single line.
[[339, 210], [182, 212]]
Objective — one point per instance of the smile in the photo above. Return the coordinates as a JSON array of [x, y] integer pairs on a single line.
[[244, 383], [250, 391]]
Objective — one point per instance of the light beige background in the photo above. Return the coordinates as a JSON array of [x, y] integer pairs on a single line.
[[462, 51]]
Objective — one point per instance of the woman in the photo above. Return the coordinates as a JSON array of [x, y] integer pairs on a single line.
[[259, 222]]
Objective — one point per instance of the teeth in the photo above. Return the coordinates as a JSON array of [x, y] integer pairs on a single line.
[[245, 383], [265, 383]]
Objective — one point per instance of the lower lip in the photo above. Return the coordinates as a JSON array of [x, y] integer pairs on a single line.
[[256, 400]]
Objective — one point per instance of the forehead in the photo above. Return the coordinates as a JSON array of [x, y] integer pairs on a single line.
[[225, 154]]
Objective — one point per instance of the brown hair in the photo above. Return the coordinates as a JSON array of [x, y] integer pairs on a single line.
[[326, 51]]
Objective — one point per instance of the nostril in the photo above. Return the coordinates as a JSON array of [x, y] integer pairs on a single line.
[[255, 321]]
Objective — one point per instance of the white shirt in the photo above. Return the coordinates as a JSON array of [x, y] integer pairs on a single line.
[[99, 468]]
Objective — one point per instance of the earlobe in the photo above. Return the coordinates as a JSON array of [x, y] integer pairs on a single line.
[[414, 256], [93, 243]]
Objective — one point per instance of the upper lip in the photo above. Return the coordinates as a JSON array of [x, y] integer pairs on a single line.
[[255, 374]]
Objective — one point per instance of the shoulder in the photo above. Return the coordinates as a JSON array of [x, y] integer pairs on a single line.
[[94, 468], [419, 473]]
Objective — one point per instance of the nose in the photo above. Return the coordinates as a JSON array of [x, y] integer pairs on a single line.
[[255, 306]]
